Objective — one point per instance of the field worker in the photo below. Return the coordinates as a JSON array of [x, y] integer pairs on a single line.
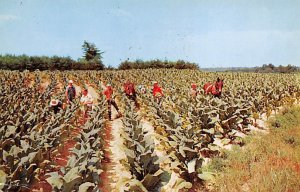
[[142, 89], [130, 92], [87, 102], [70, 92], [157, 92], [56, 105], [193, 91], [108, 92]]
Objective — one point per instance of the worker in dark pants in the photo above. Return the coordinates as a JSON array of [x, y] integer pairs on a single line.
[[70, 92], [131, 93], [108, 92]]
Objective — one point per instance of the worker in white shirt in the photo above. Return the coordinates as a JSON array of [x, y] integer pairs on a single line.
[[86, 102]]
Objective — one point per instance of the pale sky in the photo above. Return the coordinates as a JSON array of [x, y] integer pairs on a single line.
[[211, 33]]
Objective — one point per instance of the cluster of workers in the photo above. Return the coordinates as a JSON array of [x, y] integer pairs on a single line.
[[86, 99]]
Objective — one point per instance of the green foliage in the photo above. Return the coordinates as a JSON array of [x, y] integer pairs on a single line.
[[24, 62], [270, 68], [156, 64], [287, 119], [142, 159]]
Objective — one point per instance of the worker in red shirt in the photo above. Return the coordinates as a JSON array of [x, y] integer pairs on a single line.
[[193, 91], [157, 92], [108, 92], [130, 92]]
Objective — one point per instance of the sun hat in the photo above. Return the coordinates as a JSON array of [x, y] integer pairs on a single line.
[[154, 82], [54, 102], [70, 81], [108, 85]]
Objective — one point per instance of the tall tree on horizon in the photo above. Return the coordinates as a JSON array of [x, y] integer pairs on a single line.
[[92, 54]]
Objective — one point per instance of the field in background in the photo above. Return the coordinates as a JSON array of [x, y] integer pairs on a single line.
[[156, 148]]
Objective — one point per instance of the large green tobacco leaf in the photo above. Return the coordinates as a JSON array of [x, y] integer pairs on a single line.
[[175, 164], [55, 180], [210, 131], [83, 151], [72, 174], [10, 130], [151, 180], [225, 141], [192, 165], [94, 171], [129, 153], [136, 186], [146, 158], [140, 148], [2, 179], [214, 147], [179, 184], [206, 176], [71, 184], [84, 187], [15, 151], [6, 143], [72, 162], [28, 159], [25, 145], [29, 171], [187, 152], [183, 185]]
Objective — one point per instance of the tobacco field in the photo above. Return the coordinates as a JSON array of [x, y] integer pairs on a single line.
[[156, 148]]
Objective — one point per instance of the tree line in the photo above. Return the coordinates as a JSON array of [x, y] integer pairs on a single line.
[[91, 60], [140, 64], [265, 68], [24, 62], [270, 68]]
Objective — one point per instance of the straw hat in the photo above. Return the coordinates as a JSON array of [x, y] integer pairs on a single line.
[[54, 102]]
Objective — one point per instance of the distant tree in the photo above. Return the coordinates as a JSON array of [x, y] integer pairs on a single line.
[[125, 65], [92, 54], [109, 67], [271, 66], [291, 68]]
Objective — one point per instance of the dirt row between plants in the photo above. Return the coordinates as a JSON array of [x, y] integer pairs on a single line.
[[109, 176], [59, 156]]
